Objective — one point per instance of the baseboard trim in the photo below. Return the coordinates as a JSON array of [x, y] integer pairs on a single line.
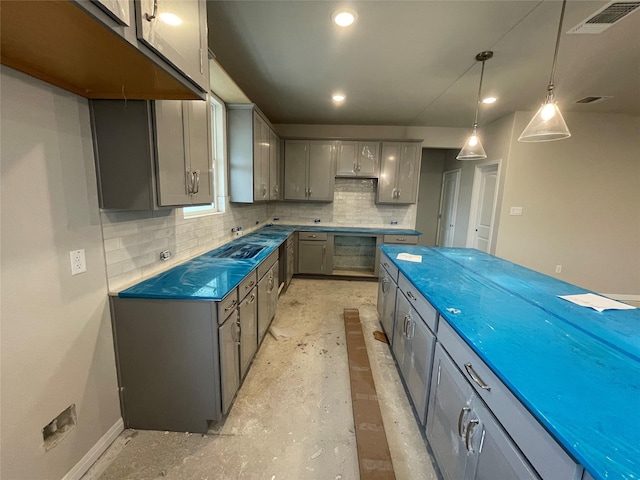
[[98, 449], [622, 297]]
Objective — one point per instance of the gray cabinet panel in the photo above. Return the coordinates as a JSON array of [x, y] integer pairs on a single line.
[[312, 256], [296, 163], [172, 159], [274, 166], [267, 300], [248, 312], [357, 159], [321, 171], [449, 408], [399, 172], [309, 167], [198, 115], [228, 334], [167, 358], [386, 302], [180, 39]]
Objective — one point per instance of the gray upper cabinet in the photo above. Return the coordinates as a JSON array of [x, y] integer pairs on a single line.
[[253, 146], [111, 49], [177, 31], [399, 173], [152, 154], [357, 159], [309, 167]]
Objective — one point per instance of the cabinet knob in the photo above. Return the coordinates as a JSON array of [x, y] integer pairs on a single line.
[[155, 11]]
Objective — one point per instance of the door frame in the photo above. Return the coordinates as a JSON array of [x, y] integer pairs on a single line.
[[458, 172], [475, 198]]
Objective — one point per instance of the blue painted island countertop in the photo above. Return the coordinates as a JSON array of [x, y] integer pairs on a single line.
[[209, 277], [575, 369]]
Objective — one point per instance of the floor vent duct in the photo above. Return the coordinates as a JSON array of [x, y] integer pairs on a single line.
[[605, 17]]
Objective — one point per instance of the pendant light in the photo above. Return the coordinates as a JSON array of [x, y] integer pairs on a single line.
[[472, 148], [547, 124]]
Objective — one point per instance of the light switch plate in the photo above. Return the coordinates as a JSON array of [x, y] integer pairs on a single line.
[[515, 211], [78, 262]]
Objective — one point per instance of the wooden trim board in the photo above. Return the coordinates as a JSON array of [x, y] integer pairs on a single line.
[[374, 457]]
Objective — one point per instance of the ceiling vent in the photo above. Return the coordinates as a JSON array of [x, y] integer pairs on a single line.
[[605, 17], [593, 99]]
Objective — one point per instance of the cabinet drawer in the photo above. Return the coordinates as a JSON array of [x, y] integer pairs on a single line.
[[227, 305], [408, 239], [540, 448], [247, 284], [267, 263], [312, 235], [391, 269], [424, 308]]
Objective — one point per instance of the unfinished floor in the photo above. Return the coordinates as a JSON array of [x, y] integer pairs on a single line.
[[292, 418]]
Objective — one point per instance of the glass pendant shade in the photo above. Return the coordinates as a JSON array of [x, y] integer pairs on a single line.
[[546, 125], [472, 148]]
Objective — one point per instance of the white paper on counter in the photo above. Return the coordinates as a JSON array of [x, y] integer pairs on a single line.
[[596, 302], [409, 257]]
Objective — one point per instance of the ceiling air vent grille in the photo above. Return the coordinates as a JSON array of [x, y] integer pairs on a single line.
[[593, 99], [605, 17]]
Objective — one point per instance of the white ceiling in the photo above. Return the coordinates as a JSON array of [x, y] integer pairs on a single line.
[[413, 62]]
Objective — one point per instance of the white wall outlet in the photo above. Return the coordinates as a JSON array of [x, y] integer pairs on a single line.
[[515, 211], [78, 263], [239, 233], [558, 268]]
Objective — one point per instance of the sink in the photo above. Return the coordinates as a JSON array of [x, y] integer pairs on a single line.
[[242, 251]]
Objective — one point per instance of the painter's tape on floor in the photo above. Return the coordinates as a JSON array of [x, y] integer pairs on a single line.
[[374, 457]]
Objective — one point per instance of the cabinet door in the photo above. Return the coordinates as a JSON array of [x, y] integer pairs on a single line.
[[448, 415], [229, 360], [177, 31], [296, 156], [117, 9], [408, 173], [173, 172], [273, 293], [260, 157], [197, 115], [321, 177], [274, 166], [401, 320], [248, 310], [368, 158], [386, 302], [311, 257], [418, 362], [290, 262], [346, 159], [388, 170]]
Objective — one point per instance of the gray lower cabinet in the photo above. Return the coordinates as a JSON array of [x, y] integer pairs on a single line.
[[267, 294], [466, 439], [315, 253], [151, 154], [386, 301], [168, 362], [228, 343], [413, 344], [248, 316]]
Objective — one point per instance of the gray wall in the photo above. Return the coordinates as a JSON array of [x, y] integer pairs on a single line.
[[429, 194], [56, 341]]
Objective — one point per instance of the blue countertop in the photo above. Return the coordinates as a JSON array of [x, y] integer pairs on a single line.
[[575, 369], [208, 277]]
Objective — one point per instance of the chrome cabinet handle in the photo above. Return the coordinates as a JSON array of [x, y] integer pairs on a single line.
[[306, 192], [189, 181], [251, 284], [463, 413], [264, 190], [411, 296], [313, 236], [310, 192], [470, 426], [355, 166], [386, 264], [155, 11], [253, 298], [196, 182], [405, 326], [475, 377], [276, 189], [385, 284], [398, 193], [232, 306], [238, 330], [401, 239], [393, 193], [413, 329]]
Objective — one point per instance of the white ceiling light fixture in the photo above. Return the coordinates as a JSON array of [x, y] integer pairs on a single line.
[[547, 124], [344, 17], [338, 97], [489, 100], [472, 148]]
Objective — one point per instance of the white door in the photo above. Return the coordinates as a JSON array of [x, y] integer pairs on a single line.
[[448, 207], [483, 206]]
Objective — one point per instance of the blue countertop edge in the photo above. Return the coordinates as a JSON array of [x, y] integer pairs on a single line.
[[208, 278], [523, 303]]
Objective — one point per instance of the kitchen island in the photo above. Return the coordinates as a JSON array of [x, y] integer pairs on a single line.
[[573, 370]]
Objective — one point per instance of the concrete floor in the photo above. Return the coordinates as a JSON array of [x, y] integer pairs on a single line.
[[292, 418]]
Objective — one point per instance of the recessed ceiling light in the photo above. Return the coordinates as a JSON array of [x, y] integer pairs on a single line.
[[170, 19], [344, 17], [489, 100], [338, 97]]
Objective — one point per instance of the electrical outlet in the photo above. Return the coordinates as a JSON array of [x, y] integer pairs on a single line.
[[78, 262], [558, 268], [515, 211]]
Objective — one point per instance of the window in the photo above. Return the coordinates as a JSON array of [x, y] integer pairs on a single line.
[[218, 149]]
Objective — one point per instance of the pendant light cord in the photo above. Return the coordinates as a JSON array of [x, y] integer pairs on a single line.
[[475, 123], [555, 55]]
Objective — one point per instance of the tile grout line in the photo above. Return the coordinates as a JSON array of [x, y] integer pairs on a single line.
[[374, 457]]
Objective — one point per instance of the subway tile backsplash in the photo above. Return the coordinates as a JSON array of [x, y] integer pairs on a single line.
[[133, 240]]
